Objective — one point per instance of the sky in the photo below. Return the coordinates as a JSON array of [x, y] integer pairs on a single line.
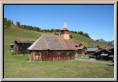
[[96, 20]]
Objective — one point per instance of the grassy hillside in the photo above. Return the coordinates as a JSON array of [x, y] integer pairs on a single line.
[[85, 41], [20, 67], [75, 37]]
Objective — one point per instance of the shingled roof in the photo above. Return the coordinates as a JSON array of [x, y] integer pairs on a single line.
[[52, 42]]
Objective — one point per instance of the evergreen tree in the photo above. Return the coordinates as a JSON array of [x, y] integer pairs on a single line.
[[81, 32], [86, 34], [18, 24]]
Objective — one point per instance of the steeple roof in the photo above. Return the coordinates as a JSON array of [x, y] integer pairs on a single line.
[[65, 27]]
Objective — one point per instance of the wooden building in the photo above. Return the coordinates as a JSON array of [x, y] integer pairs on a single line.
[[50, 47], [101, 47], [103, 54], [100, 53], [20, 47], [92, 50], [80, 49]]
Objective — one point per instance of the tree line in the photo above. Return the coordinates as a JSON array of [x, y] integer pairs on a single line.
[[8, 23]]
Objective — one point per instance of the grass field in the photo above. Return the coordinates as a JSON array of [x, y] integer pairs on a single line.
[[20, 67]]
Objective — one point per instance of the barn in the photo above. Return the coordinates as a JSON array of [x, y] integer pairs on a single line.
[[50, 47], [20, 46]]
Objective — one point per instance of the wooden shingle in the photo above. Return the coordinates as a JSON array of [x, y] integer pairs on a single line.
[[52, 42]]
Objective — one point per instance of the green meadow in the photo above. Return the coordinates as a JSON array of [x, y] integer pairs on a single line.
[[20, 67]]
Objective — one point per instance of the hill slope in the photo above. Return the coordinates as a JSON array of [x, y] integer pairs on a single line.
[[22, 34], [86, 41]]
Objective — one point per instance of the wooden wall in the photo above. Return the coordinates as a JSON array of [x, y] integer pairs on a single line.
[[52, 55], [22, 48]]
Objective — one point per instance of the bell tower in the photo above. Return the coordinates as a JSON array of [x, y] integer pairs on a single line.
[[65, 32]]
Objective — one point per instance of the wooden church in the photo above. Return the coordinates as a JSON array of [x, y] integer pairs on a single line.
[[50, 47]]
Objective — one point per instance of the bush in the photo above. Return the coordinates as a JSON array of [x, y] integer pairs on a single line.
[[13, 53]]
